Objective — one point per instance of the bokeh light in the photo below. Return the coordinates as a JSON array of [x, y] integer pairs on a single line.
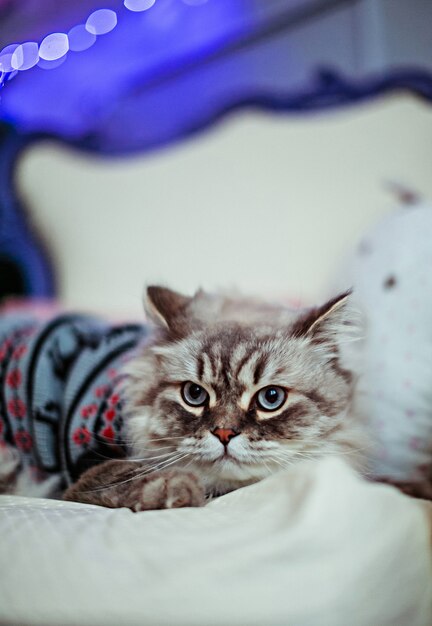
[[51, 65], [6, 57], [17, 58], [80, 38], [101, 22], [25, 56], [53, 50], [54, 47], [139, 5]]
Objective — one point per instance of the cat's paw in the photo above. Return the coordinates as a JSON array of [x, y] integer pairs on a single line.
[[170, 489], [9, 468]]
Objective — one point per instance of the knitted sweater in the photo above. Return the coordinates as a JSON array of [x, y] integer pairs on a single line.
[[59, 391]]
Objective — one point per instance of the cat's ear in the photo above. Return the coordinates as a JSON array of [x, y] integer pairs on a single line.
[[327, 323], [164, 307]]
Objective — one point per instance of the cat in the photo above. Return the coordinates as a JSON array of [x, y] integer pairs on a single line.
[[227, 391]]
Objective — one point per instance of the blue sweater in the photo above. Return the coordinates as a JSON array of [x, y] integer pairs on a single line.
[[60, 403]]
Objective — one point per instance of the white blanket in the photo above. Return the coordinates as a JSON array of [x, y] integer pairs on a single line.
[[312, 546]]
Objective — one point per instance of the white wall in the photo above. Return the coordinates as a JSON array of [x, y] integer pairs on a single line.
[[265, 203]]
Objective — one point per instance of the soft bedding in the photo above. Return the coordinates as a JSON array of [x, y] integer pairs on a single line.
[[315, 545]]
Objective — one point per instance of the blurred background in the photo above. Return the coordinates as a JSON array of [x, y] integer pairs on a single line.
[[220, 143]]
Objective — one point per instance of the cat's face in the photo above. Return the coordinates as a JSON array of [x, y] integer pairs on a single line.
[[235, 389]]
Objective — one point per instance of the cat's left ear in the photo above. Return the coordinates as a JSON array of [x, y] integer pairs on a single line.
[[329, 322], [165, 307]]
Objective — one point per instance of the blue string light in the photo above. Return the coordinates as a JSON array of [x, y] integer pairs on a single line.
[[139, 5], [6, 56], [25, 56], [80, 39], [101, 22], [54, 48]]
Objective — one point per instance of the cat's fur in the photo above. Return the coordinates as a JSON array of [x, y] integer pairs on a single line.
[[232, 347]]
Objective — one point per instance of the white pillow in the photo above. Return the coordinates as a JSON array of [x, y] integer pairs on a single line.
[[312, 546]]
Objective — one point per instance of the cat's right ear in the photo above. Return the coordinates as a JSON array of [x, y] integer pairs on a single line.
[[327, 323], [165, 307]]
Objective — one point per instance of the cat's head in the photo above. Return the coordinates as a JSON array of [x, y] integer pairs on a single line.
[[237, 389]]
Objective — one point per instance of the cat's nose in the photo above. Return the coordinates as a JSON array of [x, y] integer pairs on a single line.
[[224, 434]]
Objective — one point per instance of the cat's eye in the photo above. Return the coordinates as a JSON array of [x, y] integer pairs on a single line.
[[271, 398], [194, 394]]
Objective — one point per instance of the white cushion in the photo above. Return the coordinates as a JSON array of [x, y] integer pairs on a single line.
[[311, 546]]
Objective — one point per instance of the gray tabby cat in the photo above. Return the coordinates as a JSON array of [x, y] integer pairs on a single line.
[[227, 392]]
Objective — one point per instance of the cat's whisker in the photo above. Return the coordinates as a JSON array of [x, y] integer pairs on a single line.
[[157, 467], [292, 457], [161, 464], [177, 460], [117, 443], [192, 459], [151, 458], [143, 459], [282, 462], [156, 448], [164, 438], [312, 455], [301, 456], [131, 459], [123, 441], [108, 458], [353, 450], [270, 472]]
